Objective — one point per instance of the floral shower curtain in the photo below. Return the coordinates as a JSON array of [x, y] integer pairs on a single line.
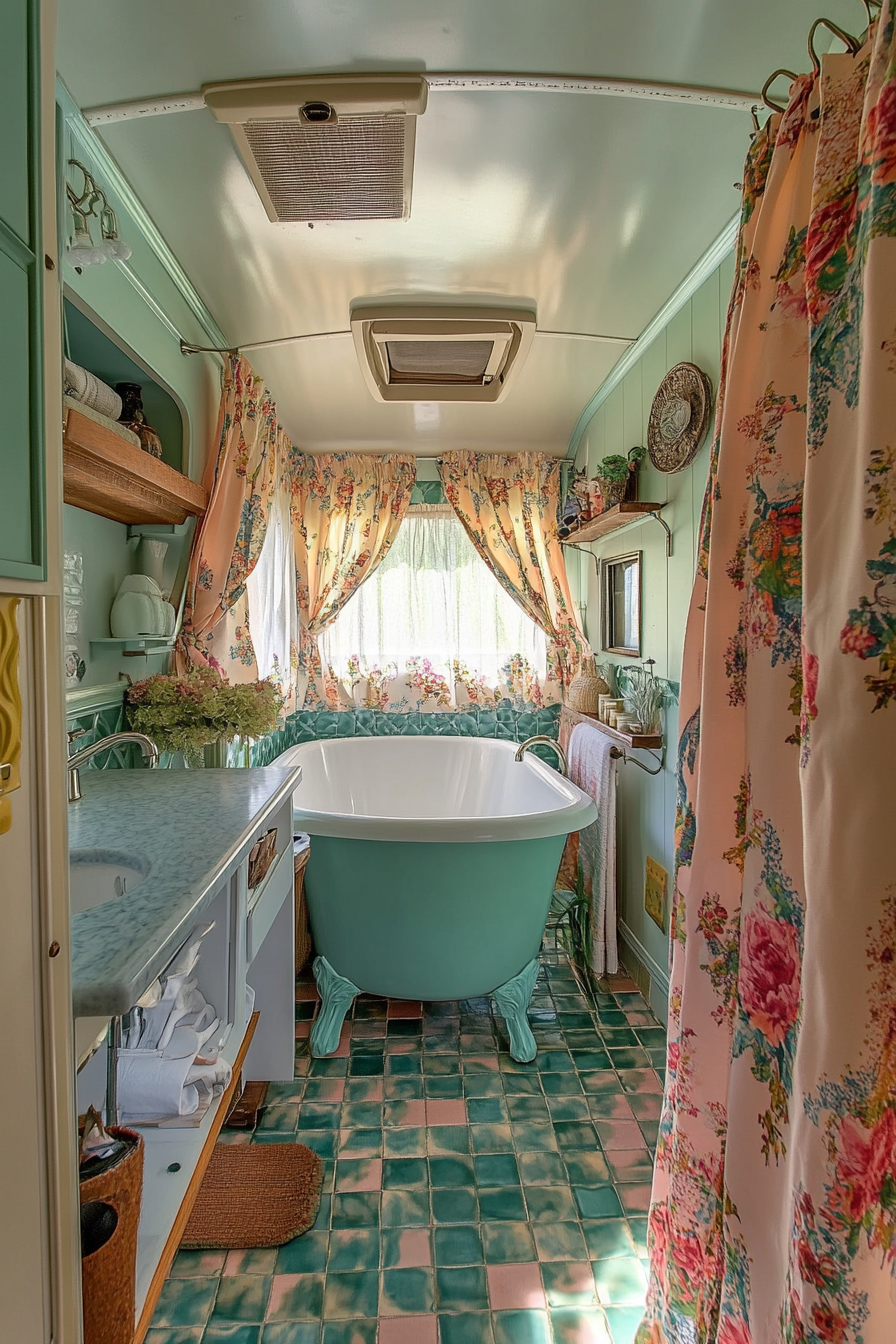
[[774, 1203], [242, 479], [509, 506], [346, 511]]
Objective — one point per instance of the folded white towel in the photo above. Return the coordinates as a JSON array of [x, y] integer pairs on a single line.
[[150, 1084], [91, 391], [594, 770]]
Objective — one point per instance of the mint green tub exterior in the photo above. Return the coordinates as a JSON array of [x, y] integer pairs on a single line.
[[433, 860]]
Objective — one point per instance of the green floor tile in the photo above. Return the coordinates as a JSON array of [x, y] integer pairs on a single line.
[[462, 1289], [559, 1241], [487, 1111], [573, 1134], [533, 1138], [491, 1138], [521, 1327], [568, 1283], [404, 1142], [405, 1173], [623, 1323], [559, 1085], [262, 1260], [550, 1204], [454, 1206], [621, 1282], [446, 1140], [230, 1332], [538, 1168], [242, 1298], [466, 1328], [407, 1292], [291, 1332], [353, 1248], [597, 1201], [522, 1084], [197, 1264], [405, 1208], [329, 1068], [318, 1115], [460, 1245], [578, 1325], [441, 1065], [360, 1143], [528, 1109], [366, 1066], [177, 1334], [296, 1298], [607, 1239], [349, 1332], [320, 1141], [361, 1115], [282, 1119], [351, 1295], [483, 1085], [496, 1169], [356, 1209], [403, 1064], [554, 1061], [508, 1243], [502, 1203], [454, 1172], [185, 1302], [638, 1230], [603, 1083], [305, 1255], [449, 1089], [587, 1168]]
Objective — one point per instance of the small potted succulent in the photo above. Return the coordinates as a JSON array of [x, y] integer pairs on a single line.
[[195, 714], [618, 476]]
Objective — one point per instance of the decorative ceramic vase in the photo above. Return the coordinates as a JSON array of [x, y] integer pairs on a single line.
[[133, 417]]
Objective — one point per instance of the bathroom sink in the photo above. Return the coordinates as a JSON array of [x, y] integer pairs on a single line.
[[100, 875]]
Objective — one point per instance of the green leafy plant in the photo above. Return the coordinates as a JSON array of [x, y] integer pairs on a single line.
[[188, 712], [615, 467]]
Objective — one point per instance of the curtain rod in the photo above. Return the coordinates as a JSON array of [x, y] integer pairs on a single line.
[[187, 349], [735, 100]]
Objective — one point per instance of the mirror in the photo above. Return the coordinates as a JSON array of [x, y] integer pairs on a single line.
[[621, 604]]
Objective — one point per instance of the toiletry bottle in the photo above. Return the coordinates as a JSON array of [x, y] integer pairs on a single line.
[[133, 417]]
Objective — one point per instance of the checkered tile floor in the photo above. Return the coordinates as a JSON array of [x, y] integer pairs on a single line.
[[467, 1199]]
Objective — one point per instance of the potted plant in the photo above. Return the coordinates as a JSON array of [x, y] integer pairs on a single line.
[[198, 712], [618, 476]]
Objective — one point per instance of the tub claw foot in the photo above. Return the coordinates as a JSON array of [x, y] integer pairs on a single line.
[[336, 995], [512, 1000]]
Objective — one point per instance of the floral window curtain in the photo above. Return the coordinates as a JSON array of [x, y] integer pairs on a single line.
[[509, 506], [432, 630], [346, 511], [242, 479], [774, 1203]]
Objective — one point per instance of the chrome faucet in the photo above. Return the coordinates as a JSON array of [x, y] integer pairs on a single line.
[[75, 761], [542, 741]]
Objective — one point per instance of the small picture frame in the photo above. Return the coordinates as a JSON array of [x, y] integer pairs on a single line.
[[621, 604]]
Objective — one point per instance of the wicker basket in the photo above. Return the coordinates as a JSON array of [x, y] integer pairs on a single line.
[[109, 1274], [304, 946], [586, 688], [261, 856]]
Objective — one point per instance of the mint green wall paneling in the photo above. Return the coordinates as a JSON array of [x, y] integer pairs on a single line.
[[15, 117], [632, 417], [678, 336], [16, 524], [614, 424]]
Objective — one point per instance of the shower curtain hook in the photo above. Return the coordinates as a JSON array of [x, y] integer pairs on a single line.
[[852, 43], [769, 102]]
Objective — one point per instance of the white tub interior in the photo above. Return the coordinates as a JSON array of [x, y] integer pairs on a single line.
[[431, 788]]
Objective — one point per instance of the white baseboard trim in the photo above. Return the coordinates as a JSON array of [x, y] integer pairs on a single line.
[[658, 976]]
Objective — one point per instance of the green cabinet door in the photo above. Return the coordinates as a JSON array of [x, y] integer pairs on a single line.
[[22, 518]]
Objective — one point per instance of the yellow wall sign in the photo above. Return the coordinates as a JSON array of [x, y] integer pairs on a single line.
[[655, 884], [10, 709]]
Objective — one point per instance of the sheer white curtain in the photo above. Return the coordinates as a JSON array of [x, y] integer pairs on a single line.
[[273, 614], [431, 616]]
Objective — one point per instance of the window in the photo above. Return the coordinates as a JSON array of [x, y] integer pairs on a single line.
[[433, 598], [621, 600]]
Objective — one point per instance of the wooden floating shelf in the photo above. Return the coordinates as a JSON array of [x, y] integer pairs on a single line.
[[619, 516], [642, 741], [104, 474]]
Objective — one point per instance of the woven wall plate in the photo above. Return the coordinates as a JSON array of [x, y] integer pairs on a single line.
[[679, 418]]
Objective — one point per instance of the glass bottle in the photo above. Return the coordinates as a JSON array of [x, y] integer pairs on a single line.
[[133, 417]]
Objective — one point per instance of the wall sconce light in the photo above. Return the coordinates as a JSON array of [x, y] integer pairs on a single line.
[[81, 250]]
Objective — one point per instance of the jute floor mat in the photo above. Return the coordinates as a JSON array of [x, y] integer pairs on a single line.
[[255, 1195]]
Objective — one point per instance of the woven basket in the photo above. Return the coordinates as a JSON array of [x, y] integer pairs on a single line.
[[586, 688], [109, 1275], [261, 856], [304, 946], [614, 492]]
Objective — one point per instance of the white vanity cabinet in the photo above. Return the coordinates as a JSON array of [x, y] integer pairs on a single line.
[[246, 970]]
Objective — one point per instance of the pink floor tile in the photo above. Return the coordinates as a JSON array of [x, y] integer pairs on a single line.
[[446, 1112], [408, 1330], [629, 1163], [407, 1113], [618, 1134], [302, 1066], [365, 1173], [414, 1251], [635, 1198], [305, 991], [405, 1008], [487, 1063], [303, 1030], [404, 1045], [642, 1080], [343, 1049], [281, 1286], [511, 1286]]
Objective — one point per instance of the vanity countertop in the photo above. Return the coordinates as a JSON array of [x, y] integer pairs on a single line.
[[191, 825]]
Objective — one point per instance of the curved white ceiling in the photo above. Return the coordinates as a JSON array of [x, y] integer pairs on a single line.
[[589, 208]]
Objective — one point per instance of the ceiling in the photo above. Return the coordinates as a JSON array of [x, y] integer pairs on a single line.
[[591, 209]]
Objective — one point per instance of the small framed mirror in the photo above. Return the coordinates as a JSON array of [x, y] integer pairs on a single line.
[[621, 604]]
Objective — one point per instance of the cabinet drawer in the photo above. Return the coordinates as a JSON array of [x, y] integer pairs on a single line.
[[277, 885]]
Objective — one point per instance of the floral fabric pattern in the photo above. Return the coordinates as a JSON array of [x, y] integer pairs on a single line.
[[509, 506], [773, 1218], [241, 477]]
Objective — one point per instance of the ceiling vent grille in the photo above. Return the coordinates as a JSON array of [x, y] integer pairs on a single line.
[[326, 147], [441, 354]]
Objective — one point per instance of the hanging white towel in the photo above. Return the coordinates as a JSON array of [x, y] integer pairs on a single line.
[[594, 770]]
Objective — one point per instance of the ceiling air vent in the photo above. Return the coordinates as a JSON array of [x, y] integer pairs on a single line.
[[328, 146], [441, 354]]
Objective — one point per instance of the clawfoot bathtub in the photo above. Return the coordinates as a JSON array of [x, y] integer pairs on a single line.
[[432, 865]]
